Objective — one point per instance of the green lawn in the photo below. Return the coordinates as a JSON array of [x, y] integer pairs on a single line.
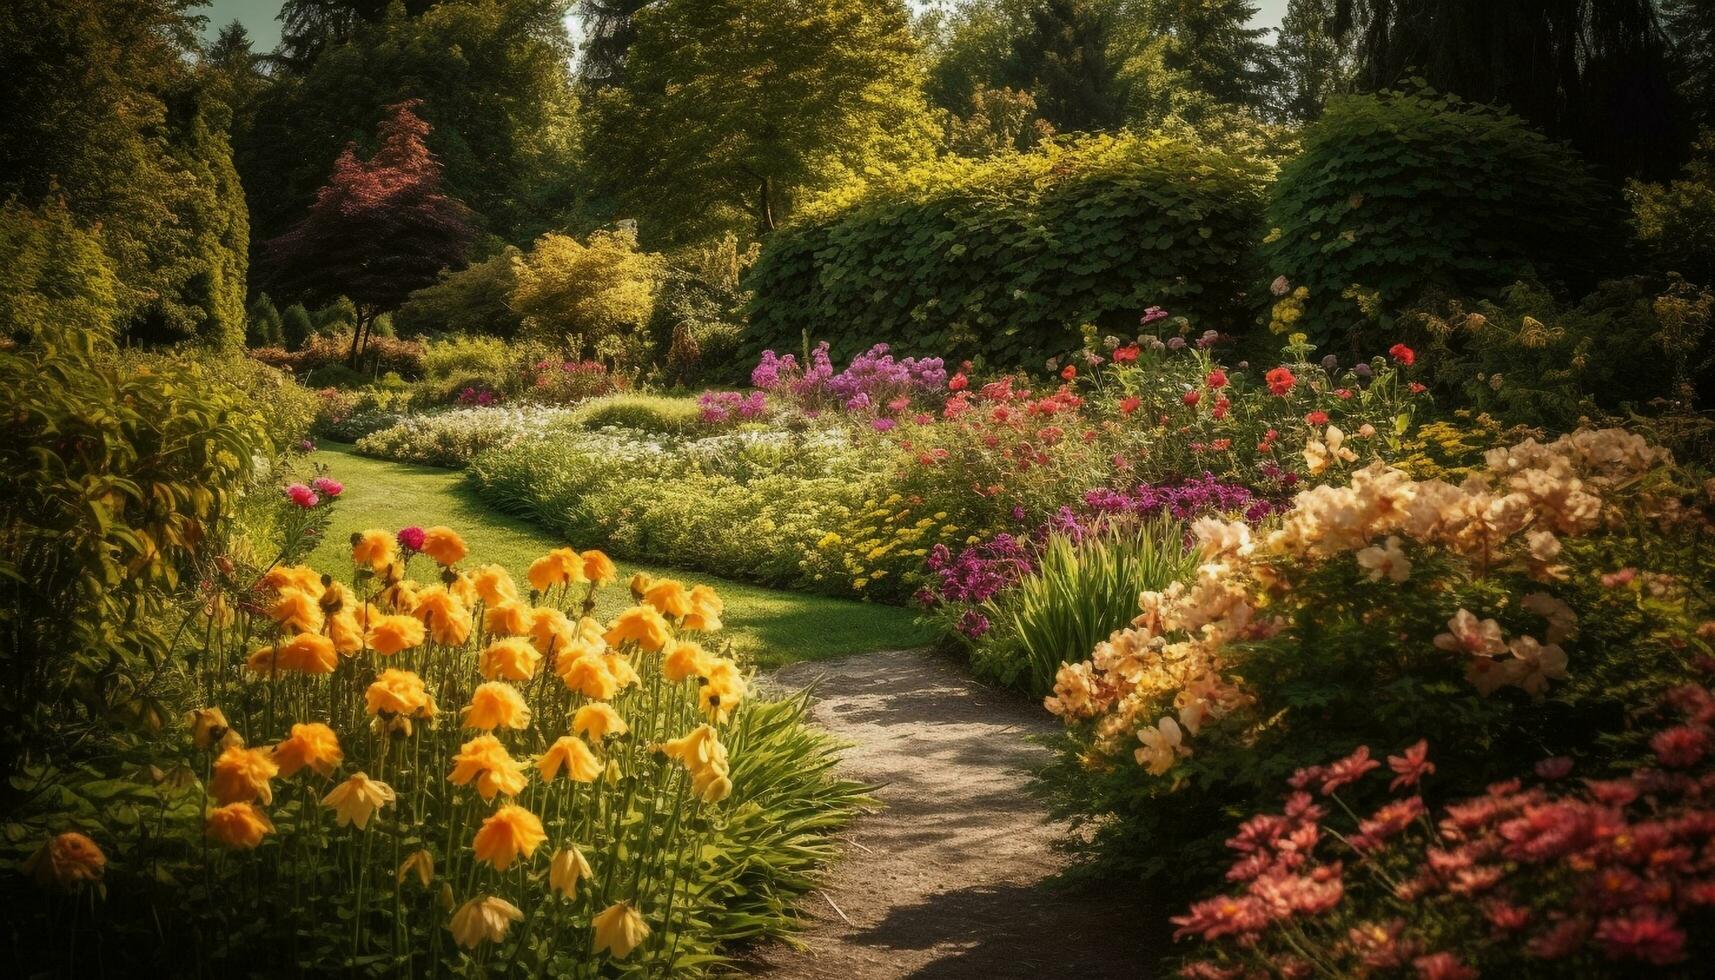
[[768, 626]]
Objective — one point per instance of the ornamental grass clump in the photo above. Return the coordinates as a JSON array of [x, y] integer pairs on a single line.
[[417, 765], [1525, 610]]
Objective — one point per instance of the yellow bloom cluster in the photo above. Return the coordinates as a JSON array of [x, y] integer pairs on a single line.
[[886, 538]]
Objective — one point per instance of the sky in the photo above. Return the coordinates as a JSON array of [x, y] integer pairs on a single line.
[[258, 17]]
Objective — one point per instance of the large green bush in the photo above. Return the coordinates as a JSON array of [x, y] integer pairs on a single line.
[[1675, 221], [1400, 192], [1005, 258]]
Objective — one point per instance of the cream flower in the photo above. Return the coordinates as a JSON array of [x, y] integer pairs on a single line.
[[357, 799]]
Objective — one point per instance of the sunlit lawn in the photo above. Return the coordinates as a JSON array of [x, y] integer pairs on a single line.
[[768, 626]]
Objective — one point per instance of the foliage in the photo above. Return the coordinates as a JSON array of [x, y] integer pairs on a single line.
[[1004, 258], [1316, 63], [1690, 29], [53, 274], [456, 436], [296, 327], [1062, 60], [474, 300], [1188, 56], [346, 415], [262, 324], [1558, 879], [653, 414], [1676, 221], [382, 354], [731, 111], [378, 230], [1404, 191], [594, 297], [656, 786], [1547, 595]]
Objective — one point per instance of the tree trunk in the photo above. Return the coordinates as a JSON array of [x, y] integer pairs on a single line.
[[765, 206], [360, 335]]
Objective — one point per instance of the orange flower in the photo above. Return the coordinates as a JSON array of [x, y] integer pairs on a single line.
[[588, 676], [296, 610], [239, 826], [598, 720], [598, 567], [508, 618], [562, 566], [551, 631], [619, 666], [706, 609], [512, 659], [242, 774], [669, 596], [346, 631], [463, 588], [398, 692], [306, 653], [66, 861], [486, 761], [684, 660], [373, 548], [300, 577], [483, 920], [509, 833], [208, 726], [572, 753], [356, 800], [314, 745], [642, 625], [448, 619], [390, 634], [496, 705], [444, 545], [494, 584]]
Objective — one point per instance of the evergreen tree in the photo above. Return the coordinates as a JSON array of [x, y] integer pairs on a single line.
[[1315, 62], [1212, 49], [378, 229], [1063, 62], [1690, 27], [296, 326], [608, 33]]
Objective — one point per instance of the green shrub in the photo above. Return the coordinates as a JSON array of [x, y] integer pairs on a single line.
[[296, 327], [382, 355], [1078, 593], [474, 300], [1401, 192], [262, 324], [592, 298], [1006, 257], [335, 376], [1676, 221], [456, 436], [54, 275], [656, 414]]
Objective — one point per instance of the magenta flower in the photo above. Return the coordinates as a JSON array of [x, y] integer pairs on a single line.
[[327, 486], [303, 496], [411, 538]]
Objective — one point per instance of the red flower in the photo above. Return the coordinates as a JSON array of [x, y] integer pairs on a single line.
[[1650, 936], [1416, 388], [1317, 417], [1442, 966], [1192, 397], [1403, 354], [1222, 406], [958, 382], [1069, 372], [1506, 916], [1348, 770], [1217, 378], [1126, 354], [411, 538], [303, 496], [1280, 381], [1680, 747], [1560, 940], [1412, 766], [1221, 445], [1129, 405]]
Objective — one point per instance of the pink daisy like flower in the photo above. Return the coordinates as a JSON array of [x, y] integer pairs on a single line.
[[301, 495]]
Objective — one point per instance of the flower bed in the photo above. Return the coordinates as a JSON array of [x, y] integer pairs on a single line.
[[456, 436]]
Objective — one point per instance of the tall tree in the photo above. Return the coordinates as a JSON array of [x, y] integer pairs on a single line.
[[1315, 61], [733, 109], [1063, 62], [1690, 26], [377, 230], [1591, 71], [608, 33]]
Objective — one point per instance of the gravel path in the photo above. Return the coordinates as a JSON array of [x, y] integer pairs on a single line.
[[952, 877]]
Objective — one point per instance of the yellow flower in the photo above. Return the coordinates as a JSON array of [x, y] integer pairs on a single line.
[[390, 634], [70, 859], [314, 745], [208, 726], [444, 545], [494, 584], [700, 749], [551, 631], [373, 548], [306, 653], [462, 587], [620, 667], [508, 618], [711, 785], [239, 826], [598, 567], [447, 618], [297, 610], [684, 660], [357, 799], [572, 753], [483, 920], [642, 625], [398, 692], [668, 596], [422, 864], [345, 628], [640, 584], [588, 675], [511, 658], [242, 774], [566, 870], [509, 833], [706, 609], [562, 566], [496, 705], [485, 760], [619, 930], [300, 577], [598, 720], [723, 692]]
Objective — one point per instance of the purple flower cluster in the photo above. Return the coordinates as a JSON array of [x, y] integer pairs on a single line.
[[725, 406], [979, 571], [471, 396], [1184, 499], [872, 378]]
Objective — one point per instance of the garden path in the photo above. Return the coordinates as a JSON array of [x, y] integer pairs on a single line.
[[955, 876]]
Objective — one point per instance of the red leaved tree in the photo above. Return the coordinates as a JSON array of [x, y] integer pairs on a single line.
[[378, 229]]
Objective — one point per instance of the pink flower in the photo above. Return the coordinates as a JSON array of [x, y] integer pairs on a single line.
[[1388, 821], [1560, 940], [1151, 315], [1556, 767], [1647, 935], [1506, 916], [1348, 770], [303, 496], [328, 486], [1680, 747], [1412, 766], [411, 538], [1223, 915], [1442, 966], [1317, 417]]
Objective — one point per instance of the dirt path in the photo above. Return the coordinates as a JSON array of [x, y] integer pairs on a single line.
[[951, 878]]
